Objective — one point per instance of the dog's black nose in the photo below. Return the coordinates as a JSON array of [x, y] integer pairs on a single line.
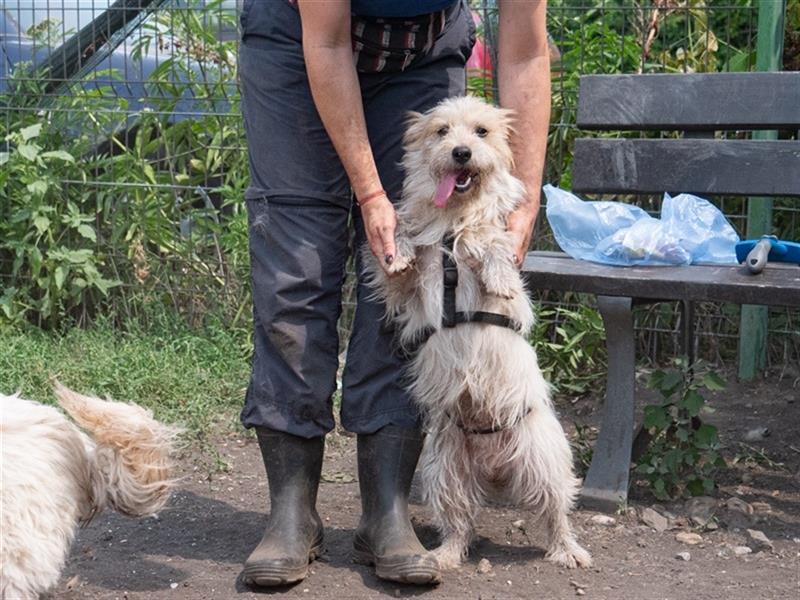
[[461, 154]]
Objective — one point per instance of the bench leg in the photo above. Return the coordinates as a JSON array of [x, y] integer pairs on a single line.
[[606, 484]]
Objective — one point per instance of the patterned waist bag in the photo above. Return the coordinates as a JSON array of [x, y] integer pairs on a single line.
[[391, 45]]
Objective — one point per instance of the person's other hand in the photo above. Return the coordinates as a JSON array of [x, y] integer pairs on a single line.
[[380, 222], [520, 226]]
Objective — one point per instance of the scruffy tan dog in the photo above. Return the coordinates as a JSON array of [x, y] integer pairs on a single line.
[[492, 431], [55, 477]]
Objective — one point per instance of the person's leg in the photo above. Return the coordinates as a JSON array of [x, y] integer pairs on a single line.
[[297, 264], [375, 403], [297, 204], [373, 394]]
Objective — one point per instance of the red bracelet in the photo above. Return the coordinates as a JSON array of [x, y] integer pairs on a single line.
[[372, 196]]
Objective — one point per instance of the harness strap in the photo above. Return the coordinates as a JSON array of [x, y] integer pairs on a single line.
[[450, 271], [450, 316], [487, 430], [480, 316]]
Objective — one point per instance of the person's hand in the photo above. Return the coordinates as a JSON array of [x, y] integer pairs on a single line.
[[520, 226], [380, 222]]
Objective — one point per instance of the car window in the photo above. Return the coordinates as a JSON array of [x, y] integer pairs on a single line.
[[69, 16]]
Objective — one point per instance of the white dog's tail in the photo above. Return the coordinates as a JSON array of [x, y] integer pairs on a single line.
[[129, 453]]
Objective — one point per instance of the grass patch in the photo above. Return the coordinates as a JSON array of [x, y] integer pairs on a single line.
[[192, 377]]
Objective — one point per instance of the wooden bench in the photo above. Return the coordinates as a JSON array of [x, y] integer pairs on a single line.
[[697, 105]]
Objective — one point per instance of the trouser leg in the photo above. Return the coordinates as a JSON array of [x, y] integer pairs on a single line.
[[298, 203], [375, 402], [373, 392]]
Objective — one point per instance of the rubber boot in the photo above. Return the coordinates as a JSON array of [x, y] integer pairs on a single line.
[[385, 537], [293, 537]]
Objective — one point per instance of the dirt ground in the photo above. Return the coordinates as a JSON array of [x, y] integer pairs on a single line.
[[195, 548]]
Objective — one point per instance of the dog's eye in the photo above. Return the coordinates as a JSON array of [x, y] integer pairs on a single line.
[[443, 131], [481, 131]]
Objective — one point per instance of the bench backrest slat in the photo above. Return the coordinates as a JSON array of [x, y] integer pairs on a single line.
[[687, 102], [700, 166]]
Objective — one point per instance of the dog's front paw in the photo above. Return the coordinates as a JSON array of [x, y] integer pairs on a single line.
[[502, 287], [570, 555], [500, 278], [501, 291], [448, 558], [398, 266]]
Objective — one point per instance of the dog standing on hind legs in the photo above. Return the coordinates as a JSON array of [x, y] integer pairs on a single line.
[[460, 309], [55, 477]]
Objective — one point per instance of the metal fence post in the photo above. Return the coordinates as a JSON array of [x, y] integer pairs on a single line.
[[754, 319]]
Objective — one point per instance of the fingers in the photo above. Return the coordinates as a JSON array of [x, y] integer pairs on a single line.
[[388, 245], [381, 242], [380, 223], [376, 247], [521, 251], [518, 248], [520, 226]]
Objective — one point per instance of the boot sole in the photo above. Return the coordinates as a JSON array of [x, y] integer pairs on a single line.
[[271, 576], [399, 570]]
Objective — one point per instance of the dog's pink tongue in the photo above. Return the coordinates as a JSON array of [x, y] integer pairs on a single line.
[[444, 190]]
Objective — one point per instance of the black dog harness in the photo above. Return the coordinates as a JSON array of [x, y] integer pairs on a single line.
[[452, 317], [487, 430]]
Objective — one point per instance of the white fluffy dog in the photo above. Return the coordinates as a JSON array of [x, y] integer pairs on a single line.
[[55, 477], [491, 426]]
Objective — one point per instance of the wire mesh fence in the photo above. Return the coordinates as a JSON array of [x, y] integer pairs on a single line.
[[125, 162]]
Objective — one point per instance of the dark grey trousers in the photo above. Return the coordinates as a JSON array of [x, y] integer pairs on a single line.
[[298, 206]]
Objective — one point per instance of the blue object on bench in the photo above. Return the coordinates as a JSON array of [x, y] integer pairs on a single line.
[[779, 251], [690, 230]]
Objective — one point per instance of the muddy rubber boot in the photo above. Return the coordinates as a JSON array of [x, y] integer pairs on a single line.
[[293, 537], [385, 537]]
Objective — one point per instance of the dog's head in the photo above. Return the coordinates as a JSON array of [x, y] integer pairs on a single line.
[[460, 144]]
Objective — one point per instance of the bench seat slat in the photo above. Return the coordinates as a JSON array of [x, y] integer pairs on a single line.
[[702, 101], [777, 285], [700, 166]]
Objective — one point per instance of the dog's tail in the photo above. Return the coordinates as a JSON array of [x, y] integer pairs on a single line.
[[130, 453]]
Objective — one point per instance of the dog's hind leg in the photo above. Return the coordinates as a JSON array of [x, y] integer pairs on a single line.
[[542, 480], [452, 491], [562, 547]]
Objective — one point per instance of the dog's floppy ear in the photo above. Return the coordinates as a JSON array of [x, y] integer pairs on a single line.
[[414, 128]]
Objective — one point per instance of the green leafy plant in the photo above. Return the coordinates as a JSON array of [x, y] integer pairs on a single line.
[[570, 344], [683, 452], [107, 209], [791, 42], [46, 231]]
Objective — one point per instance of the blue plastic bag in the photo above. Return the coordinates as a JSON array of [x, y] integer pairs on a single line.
[[690, 230]]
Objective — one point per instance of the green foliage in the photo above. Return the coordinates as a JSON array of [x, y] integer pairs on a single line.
[[683, 452], [48, 230], [571, 348], [105, 208], [617, 37], [791, 41], [186, 375], [587, 46]]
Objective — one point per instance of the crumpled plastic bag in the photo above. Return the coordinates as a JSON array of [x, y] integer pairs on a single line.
[[690, 230]]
